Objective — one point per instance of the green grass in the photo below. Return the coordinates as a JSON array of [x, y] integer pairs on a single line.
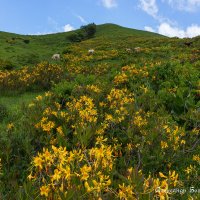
[[14, 103], [114, 31], [14, 48], [171, 97], [41, 47]]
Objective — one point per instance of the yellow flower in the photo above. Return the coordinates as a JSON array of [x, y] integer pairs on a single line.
[[88, 188], [108, 117], [39, 98], [85, 172], [163, 145], [31, 105], [102, 104], [93, 88], [60, 130], [67, 172], [189, 169], [162, 175], [38, 161], [30, 176], [167, 128], [145, 89], [48, 126], [56, 176], [121, 78], [44, 191], [173, 177], [126, 192], [129, 146], [10, 126], [47, 156], [48, 94], [183, 142], [196, 158], [139, 121], [100, 140]]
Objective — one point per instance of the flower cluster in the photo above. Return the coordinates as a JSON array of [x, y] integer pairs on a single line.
[[118, 102], [161, 186], [58, 171], [42, 75], [82, 111]]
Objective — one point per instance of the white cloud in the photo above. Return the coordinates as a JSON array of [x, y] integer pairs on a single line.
[[148, 28], [81, 19], [150, 7], [41, 33], [109, 3], [168, 30], [193, 30], [65, 28], [173, 31], [68, 28], [185, 5]]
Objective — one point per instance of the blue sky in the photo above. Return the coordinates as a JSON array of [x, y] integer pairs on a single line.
[[169, 17]]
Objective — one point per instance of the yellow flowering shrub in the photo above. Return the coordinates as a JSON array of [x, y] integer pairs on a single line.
[[118, 102], [84, 108], [93, 88], [85, 171], [126, 192], [116, 125], [160, 187], [42, 75]]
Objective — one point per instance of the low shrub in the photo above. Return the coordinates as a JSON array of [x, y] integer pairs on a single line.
[[26, 41]]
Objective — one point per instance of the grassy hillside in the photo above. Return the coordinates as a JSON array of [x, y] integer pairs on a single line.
[[114, 31], [26, 50], [23, 50], [116, 124]]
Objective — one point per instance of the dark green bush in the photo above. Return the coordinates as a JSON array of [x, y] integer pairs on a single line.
[[6, 65], [26, 41], [85, 32], [64, 88], [67, 51], [89, 30], [76, 36]]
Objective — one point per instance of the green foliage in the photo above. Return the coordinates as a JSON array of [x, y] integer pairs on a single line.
[[85, 32], [3, 112], [64, 88], [31, 58], [6, 65], [26, 41], [76, 36], [14, 48], [67, 50], [153, 133], [43, 75], [84, 79], [89, 30]]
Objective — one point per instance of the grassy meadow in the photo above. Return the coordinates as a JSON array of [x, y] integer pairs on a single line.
[[121, 123]]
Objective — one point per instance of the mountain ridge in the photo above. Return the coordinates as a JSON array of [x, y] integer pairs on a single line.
[[99, 27]]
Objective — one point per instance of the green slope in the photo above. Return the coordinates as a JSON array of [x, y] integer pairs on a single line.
[[113, 30], [30, 49]]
